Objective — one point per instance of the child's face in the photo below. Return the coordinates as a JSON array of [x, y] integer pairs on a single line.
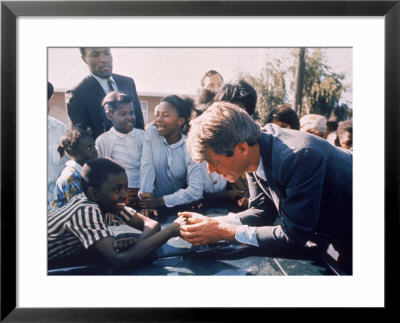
[[346, 140], [85, 150], [111, 195], [167, 119], [123, 118]]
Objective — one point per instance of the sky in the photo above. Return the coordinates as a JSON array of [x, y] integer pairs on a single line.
[[179, 70]]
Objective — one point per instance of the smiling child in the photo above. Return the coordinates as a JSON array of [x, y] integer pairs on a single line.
[[81, 224], [123, 143]]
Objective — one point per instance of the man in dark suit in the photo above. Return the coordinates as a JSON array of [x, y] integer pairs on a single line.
[[300, 185], [84, 101]]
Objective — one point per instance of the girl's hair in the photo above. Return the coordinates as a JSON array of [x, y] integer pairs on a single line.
[[284, 113], [71, 139], [241, 94], [113, 100], [184, 107]]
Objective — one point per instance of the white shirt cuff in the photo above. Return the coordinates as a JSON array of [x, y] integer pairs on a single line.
[[244, 233], [247, 235], [230, 218]]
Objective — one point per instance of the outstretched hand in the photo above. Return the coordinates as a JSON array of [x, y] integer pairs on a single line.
[[200, 229]]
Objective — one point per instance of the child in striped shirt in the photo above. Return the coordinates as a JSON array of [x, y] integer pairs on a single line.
[[81, 224]]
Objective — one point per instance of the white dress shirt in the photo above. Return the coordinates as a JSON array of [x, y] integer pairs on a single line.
[[56, 130], [244, 234], [125, 149], [104, 83]]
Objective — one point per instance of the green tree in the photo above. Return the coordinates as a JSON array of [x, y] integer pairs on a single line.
[[322, 88], [270, 87]]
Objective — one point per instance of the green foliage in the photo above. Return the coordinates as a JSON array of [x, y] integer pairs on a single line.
[[270, 87], [321, 92], [322, 88]]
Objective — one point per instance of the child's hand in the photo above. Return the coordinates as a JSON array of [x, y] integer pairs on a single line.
[[233, 194], [149, 212], [123, 241], [176, 225], [149, 201], [190, 217], [243, 202]]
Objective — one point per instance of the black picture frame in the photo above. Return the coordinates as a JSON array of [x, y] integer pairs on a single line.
[[10, 10]]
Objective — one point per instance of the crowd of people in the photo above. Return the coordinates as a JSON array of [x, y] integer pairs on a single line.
[[280, 186]]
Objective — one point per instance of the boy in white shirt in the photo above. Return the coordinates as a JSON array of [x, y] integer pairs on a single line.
[[123, 143]]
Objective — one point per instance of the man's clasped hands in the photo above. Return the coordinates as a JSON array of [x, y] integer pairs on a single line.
[[200, 230]]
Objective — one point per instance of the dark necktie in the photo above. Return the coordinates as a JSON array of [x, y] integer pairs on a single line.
[[110, 85]]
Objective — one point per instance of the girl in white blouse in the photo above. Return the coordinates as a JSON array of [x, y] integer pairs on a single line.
[[123, 143]]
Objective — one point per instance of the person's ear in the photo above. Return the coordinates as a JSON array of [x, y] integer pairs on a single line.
[[181, 121], [242, 148], [92, 194], [84, 59], [109, 115]]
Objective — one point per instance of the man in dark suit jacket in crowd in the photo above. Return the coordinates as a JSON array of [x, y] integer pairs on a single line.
[[84, 101], [300, 185]]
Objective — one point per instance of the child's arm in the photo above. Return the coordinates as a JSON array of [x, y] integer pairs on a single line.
[[139, 250], [144, 224]]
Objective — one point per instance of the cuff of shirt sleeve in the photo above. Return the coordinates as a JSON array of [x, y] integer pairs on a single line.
[[169, 201], [247, 235], [230, 218]]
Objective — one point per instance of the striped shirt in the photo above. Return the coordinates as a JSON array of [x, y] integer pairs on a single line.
[[78, 225]]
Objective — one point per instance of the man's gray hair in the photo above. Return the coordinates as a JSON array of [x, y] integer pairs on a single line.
[[220, 128]]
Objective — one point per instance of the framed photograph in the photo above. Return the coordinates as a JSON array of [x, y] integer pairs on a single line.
[[29, 29]]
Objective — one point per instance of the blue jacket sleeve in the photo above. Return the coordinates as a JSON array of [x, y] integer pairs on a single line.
[[301, 177]]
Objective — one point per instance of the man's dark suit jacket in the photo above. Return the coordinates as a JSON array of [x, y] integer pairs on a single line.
[[308, 184], [84, 104]]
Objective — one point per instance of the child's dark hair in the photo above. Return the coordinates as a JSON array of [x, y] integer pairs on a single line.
[[113, 101], [71, 139], [184, 107], [205, 97], [284, 113], [50, 91], [331, 125], [241, 93], [95, 172], [344, 126]]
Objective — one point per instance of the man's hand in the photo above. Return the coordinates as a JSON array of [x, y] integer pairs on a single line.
[[123, 241], [149, 201], [201, 229]]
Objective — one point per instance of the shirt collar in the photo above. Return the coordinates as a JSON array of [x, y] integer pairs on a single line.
[[103, 81], [119, 134], [74, 165], [175, 145], [260, 171]]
